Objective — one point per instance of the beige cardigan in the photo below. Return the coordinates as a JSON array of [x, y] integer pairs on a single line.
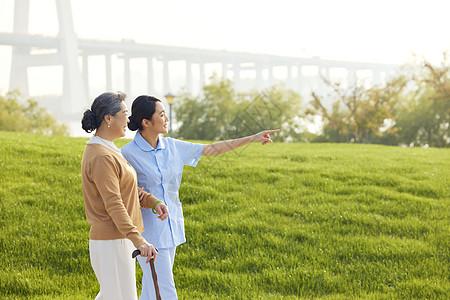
[[110, 194]]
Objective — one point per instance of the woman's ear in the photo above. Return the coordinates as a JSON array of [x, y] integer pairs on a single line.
[[107, 119], [145, 123]]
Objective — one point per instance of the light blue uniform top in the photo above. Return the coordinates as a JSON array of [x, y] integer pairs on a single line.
[[159, 172]]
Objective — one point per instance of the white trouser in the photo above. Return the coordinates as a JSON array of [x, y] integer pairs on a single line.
[[163, 266], [114, 268]]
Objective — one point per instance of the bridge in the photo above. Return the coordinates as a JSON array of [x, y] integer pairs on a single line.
[[246, 70]]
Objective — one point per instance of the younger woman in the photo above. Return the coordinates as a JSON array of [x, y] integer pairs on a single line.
[[159, 164]]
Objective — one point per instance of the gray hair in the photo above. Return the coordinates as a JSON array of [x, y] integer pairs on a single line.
[[105, 104]]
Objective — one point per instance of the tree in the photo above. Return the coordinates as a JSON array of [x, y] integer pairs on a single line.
[[207, 117], [222, 113], [424, 117], [358, 115], [17, 114], [273, 108]]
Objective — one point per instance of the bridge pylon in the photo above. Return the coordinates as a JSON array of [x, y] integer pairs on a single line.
[[74, 97]]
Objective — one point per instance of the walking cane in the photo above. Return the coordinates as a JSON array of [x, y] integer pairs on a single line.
[[152, 267]]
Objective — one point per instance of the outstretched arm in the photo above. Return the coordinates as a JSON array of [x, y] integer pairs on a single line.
[[225, 146]]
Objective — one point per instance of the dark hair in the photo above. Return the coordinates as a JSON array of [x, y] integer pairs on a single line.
[[105, 104], [143, 107]]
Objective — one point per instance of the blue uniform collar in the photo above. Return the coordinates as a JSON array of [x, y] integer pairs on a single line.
[[145, 146]]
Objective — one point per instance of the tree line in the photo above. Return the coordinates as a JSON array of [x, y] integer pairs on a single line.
[[412, 108], [20, 114]]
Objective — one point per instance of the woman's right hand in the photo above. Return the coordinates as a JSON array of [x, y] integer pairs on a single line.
[[264, 136], [147, 250], [162, 211]]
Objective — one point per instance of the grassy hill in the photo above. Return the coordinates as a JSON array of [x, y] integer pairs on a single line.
[[283, 221]]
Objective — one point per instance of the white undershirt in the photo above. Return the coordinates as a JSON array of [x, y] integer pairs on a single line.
[[98, 140]]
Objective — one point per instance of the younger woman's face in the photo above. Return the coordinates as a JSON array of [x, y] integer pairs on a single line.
[[160, 121]]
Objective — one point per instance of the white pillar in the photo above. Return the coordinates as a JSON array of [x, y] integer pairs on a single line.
[[300, 82], [271, 78], [166, 76], [127, 75], [85, 62], [259, 79], [237, 75], [224, 71], [351, 77], [74, 91], [108, 72], [18, 73], [289, 81], [189, 81], [202, 74], [150, 76]]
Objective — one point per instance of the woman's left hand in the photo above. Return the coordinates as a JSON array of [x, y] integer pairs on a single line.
[[162, 211], [264, 136], [141, 194]]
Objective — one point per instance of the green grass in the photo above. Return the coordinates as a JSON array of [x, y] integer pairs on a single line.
[[283, 221]]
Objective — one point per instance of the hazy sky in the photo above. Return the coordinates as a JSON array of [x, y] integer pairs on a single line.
[[387, 31]]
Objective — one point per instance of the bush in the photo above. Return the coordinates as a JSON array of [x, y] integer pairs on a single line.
[[18, 114]]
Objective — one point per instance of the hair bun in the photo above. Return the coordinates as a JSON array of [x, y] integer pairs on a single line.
[[133, 125], [88, 122]]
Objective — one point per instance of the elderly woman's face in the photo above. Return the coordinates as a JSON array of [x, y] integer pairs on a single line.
[[119, 121]]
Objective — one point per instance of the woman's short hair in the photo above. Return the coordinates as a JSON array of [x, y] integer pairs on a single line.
[[105, 104], [143, 107]]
